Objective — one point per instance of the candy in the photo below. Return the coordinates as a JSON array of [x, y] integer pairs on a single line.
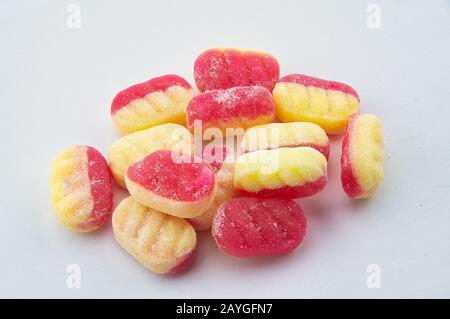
[[276, 135], [218, 158], [156, 101], [226, 68], [362, 156], [240, 107], [81, 188], [133, 147], [249, 226], [283, 172], [179, 185], [326, 103], [162, 243]]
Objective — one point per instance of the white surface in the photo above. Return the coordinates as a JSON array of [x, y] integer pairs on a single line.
[[57, 84]]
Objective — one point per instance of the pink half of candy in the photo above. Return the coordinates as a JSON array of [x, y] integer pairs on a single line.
[[81, 188], [249, 226], [348, 177], [101, 189], [243, 107]]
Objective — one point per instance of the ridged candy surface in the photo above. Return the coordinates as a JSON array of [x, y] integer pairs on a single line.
[[248, 226], [81, 188], [157, 101], [224, 68], [326, 103], [162, 243], [239, 107], [283, 172], [362, 156]]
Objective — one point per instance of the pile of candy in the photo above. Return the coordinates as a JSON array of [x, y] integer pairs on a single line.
[[245, 196]]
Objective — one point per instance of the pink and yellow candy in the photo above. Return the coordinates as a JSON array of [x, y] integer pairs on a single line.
[[307, 99], [162, 243], [81, 188], [283, 172], [156, 101], [362, 156]]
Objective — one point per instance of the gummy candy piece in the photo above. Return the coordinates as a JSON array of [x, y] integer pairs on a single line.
[[157, 101], [249, 226], [175, 184], [223, 169], [81, 188], [283, 172], [362, 156], [276, 135], [217, 69], [162, 243], [135, 146], [239, 107], [326, 103]]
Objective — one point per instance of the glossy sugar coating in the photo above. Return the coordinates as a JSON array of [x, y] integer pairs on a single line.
[[224, 171], [156, 101], [249, 226], [221, 68], [362, 156], [326, 103], [294, 134], [160, 242], [283, 172], [179, 185], [81, 188], [239, 107], [135, 146]]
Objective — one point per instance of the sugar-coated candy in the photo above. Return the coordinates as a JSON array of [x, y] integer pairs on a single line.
[[156, 101], [326, 103], [362, 156], [283, 172], [133, 147], [276, 135], [81, 188], [239, 107], [223, 168], [249, 226], [162, 243], [225, 68], [173, 183]]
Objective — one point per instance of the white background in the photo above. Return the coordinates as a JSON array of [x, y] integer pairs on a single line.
[[56, 85]]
